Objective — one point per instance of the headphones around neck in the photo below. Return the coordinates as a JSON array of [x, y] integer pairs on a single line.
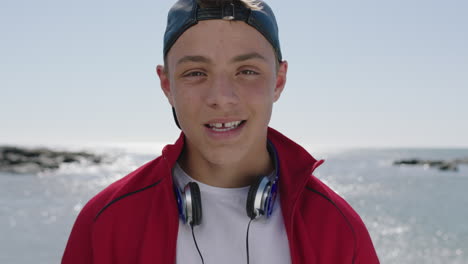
[[260, 200]]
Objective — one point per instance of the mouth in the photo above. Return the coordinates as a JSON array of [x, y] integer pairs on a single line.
[[225, 127]]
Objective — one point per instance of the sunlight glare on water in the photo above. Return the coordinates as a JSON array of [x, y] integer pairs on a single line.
[[414, 214]]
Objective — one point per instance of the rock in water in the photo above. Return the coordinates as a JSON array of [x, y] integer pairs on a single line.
[[448, 167], [24, 160], [440, 164]]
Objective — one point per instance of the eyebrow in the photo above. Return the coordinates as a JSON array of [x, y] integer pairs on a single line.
[[248, 56], [193, 59], [203, 59]]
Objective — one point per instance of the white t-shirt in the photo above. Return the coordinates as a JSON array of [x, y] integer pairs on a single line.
[[221, 236]]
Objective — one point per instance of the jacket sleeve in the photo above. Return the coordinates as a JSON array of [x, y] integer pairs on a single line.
[[79, 246], [365, 252]]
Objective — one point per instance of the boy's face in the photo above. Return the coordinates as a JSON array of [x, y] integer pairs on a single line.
[[222, 72]]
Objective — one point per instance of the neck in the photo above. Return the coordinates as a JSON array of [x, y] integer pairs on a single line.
[[232, 175]]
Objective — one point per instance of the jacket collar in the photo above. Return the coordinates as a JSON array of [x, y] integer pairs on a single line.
[[296, 166]]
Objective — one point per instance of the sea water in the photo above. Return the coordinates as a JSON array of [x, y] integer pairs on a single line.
[[414, 214]]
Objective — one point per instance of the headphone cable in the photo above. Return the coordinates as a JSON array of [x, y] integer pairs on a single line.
[[247, 241], [203, 262]]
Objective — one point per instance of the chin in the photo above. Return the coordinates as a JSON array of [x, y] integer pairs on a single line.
[[223, 156]]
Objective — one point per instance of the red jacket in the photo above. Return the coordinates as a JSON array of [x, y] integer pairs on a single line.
[[135, 219]]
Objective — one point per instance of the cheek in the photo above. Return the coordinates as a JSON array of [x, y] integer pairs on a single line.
[[259, 92], [260, 98], [182, 95], [187, 103]]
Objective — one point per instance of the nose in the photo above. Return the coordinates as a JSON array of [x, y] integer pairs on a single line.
[[222, 92]]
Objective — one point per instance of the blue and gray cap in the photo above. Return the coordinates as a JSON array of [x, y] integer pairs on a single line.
[[186, 13]]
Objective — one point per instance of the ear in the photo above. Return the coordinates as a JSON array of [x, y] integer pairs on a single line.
[[164, 82], [280, 80]]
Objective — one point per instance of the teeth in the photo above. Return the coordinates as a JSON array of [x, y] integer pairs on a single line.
[[221, 127], [231, 124]]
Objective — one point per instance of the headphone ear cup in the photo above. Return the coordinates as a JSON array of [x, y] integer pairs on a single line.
[[251, 199], [196, 203]]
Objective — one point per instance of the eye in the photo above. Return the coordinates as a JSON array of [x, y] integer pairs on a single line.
[[249, 72], [195, 74]]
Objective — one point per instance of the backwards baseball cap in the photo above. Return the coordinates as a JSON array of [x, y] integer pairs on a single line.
[[186, 13]]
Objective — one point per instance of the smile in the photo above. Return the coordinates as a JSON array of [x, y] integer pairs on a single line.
[[224, 127]]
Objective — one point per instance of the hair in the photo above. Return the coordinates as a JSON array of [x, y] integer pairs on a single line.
[[251, 4]]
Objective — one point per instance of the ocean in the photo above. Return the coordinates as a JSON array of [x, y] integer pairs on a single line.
[[415, 214]]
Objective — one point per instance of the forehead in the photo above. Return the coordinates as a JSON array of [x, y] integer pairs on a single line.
[[220, 40]]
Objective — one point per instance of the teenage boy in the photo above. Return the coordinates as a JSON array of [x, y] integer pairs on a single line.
[[222, 72]]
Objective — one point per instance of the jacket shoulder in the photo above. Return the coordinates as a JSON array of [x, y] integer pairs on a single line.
[[79, 245], [140, 179], [324, 193], [344, 213]]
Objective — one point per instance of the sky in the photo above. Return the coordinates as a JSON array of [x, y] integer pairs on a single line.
[[362, 73]]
